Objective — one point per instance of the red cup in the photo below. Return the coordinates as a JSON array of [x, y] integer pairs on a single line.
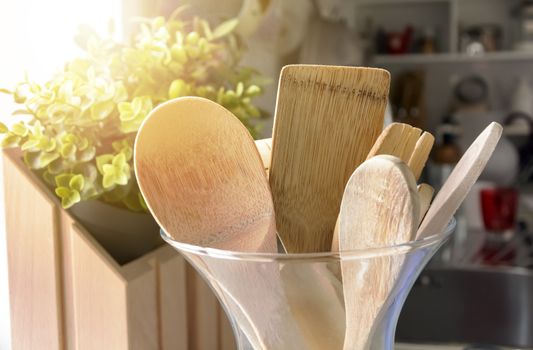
[[498, 206]]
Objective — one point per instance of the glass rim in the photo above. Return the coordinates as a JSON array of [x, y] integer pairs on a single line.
[[397, 249]]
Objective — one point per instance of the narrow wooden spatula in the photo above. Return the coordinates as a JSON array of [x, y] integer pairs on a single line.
[[460, 181], [327, 119]]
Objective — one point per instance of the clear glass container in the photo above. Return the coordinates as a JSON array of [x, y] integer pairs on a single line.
[[296, 301]]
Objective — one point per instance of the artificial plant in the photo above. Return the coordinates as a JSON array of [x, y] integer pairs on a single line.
[[78, 128]]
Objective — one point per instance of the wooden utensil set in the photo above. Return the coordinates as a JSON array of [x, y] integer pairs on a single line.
[[333, 183]]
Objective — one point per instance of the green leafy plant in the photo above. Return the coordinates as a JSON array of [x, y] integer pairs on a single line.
[[77, 129]]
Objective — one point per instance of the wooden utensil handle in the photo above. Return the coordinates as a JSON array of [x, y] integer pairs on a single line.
[[264, 146]]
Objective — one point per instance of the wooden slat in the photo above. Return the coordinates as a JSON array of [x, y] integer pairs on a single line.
[[227, 339], [99, 293], [65, 237], [203, 313], [172, 299], [142, 303], [33, 261]]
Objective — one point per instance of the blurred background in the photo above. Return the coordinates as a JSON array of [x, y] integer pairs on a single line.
[[456, 65]]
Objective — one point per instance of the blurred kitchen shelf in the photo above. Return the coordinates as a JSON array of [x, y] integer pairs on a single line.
[[398, 2], [501, 56], [516, 130]]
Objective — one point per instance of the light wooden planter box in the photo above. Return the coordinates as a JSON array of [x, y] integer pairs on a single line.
[[66, 292]]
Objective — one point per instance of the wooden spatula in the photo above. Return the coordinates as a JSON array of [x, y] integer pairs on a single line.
[[408, 144], [327, 119], [379, 208], [460, 181]]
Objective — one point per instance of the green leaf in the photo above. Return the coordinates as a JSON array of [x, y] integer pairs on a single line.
[[30, 144], [253, 90], [101, 110], [22, 112], [6, 91], [240, 89], [192, 38], [77, 182], [68, 197], [19, 129], [46, 158], [225, 28], [178, 88], [10, 140], [206, 29], [68, 150], [108, 180], [62, 191], [3, 128], [103, 160], [119, 160], [63, 180]]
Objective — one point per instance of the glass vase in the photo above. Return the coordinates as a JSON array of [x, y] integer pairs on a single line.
[[296, 301]]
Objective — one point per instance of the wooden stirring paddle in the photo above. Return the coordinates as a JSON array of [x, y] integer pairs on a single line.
[[379, 209], [460, 181], [203, 180], [327, 119]]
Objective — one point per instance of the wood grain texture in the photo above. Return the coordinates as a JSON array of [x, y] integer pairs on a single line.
[[327, 119], [420, 154], [425, 195], [202, 313], [172, 299], [405, 142], [99, 291], [379, 209], [142, 304], [460, 181], [202, 176], [33, 257]]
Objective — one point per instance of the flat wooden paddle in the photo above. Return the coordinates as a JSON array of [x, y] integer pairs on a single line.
[[460, 181], [379, 209], [327, 119], [204, 182]]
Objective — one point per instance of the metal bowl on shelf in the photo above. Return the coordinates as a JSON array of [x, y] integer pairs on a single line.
[[491, 306]]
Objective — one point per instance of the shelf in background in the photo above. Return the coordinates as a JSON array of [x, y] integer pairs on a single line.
[[398, 2], [451, 58]]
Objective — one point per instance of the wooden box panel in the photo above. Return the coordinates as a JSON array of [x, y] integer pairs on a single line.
[[33, 263], [66, 292]]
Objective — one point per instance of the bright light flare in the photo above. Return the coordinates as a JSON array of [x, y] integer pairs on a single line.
[[37, 37]]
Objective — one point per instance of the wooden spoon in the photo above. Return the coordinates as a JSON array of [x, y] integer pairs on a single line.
[[327, 119], [203, 180], [202, 177], [460, 181], [379, 208]]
